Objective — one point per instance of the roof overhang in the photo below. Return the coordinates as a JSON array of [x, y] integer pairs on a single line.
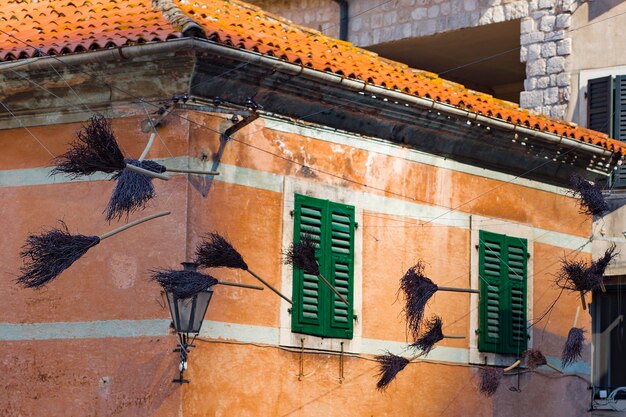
[[157, 70]]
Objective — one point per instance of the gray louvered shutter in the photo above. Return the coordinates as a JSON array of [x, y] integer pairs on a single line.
[[600, 105]]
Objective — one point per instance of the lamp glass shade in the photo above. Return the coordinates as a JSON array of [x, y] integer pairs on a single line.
[[188, 313]]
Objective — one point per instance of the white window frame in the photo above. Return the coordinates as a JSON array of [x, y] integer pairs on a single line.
[[478, 223], [293, 186]]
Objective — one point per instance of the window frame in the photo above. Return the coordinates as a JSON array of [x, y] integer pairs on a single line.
[[514, 230], [293, 186], [599, 356]]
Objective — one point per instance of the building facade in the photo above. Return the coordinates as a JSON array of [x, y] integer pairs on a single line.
[[381, 164]]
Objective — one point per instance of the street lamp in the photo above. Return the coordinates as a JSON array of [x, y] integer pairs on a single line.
[[187, 316]]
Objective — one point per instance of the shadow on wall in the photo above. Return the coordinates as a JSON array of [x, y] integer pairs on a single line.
[[598, 8]]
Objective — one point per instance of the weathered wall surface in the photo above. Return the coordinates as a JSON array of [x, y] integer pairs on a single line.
[[232, 357], [95, 341]]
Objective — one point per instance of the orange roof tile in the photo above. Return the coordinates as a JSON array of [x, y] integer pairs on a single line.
[[66, 26]]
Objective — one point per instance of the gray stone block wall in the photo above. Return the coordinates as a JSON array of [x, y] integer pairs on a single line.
[[544, 44], [545, 48]]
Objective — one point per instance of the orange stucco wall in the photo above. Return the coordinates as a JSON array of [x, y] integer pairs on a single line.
[[246, 378]]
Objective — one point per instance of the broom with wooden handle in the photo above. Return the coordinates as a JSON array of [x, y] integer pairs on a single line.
[[418, 290], [47, 255], [301, 255], [216, 252]]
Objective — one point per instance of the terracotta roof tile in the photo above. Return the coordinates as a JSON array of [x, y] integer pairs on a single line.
[[67, 26]]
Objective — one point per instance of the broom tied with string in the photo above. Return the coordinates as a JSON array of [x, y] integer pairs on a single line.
[[534, 359], [47, 255], [391, 365], [580, 276], [489, 380], [591, 202], [186, 283], [301, 255], [573, 348], [216, 252], [96, 150], [418, 290]]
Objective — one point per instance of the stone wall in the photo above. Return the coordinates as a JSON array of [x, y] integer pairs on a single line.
[[545, 45], [374, 21], [545, 48]]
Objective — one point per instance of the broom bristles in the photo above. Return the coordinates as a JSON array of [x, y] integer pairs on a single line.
[[133, 190], [47, 255], [573, 348], [417, 289], [489, 380], [95, 149], [579, 276], [534, 358], [217, 252], [390, 366], [183, 284], [431, 336], [591, 202], [302, 255]]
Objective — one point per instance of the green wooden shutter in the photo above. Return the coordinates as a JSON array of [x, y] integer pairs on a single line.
[[600, 105], [307, 311], [503, 280], [341, 269], [517, 257], [316, 309]]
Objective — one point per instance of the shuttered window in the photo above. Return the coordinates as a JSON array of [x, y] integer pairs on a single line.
[[316, 309], [606, 112], [503, 282]]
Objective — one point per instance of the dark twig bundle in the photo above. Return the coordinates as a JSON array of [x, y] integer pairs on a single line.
[[534, 359], [183, 284], [573, 349], [302, 255], [132, 191], [591, 202], [217, 252], [489, 380], [583, 277], [390, 366], [430, 337], [95, 149], [49, 254], [417, 289]]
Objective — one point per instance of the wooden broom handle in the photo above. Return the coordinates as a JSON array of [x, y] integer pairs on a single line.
[[148, 146], [445, 336], [269, 286], [451, 289], [192, 171], [236, 284], [582, 300], [337, 293], [602, 287], [147, 172], [515, 365], [554, 367], [134, 223]]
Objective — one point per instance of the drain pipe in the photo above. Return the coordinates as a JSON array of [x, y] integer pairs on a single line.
[[343, 19]]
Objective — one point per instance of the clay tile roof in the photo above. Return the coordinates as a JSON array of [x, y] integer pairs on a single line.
[[68, 26]]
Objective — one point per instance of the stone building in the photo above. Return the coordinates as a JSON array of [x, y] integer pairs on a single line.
[[383, 164]]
